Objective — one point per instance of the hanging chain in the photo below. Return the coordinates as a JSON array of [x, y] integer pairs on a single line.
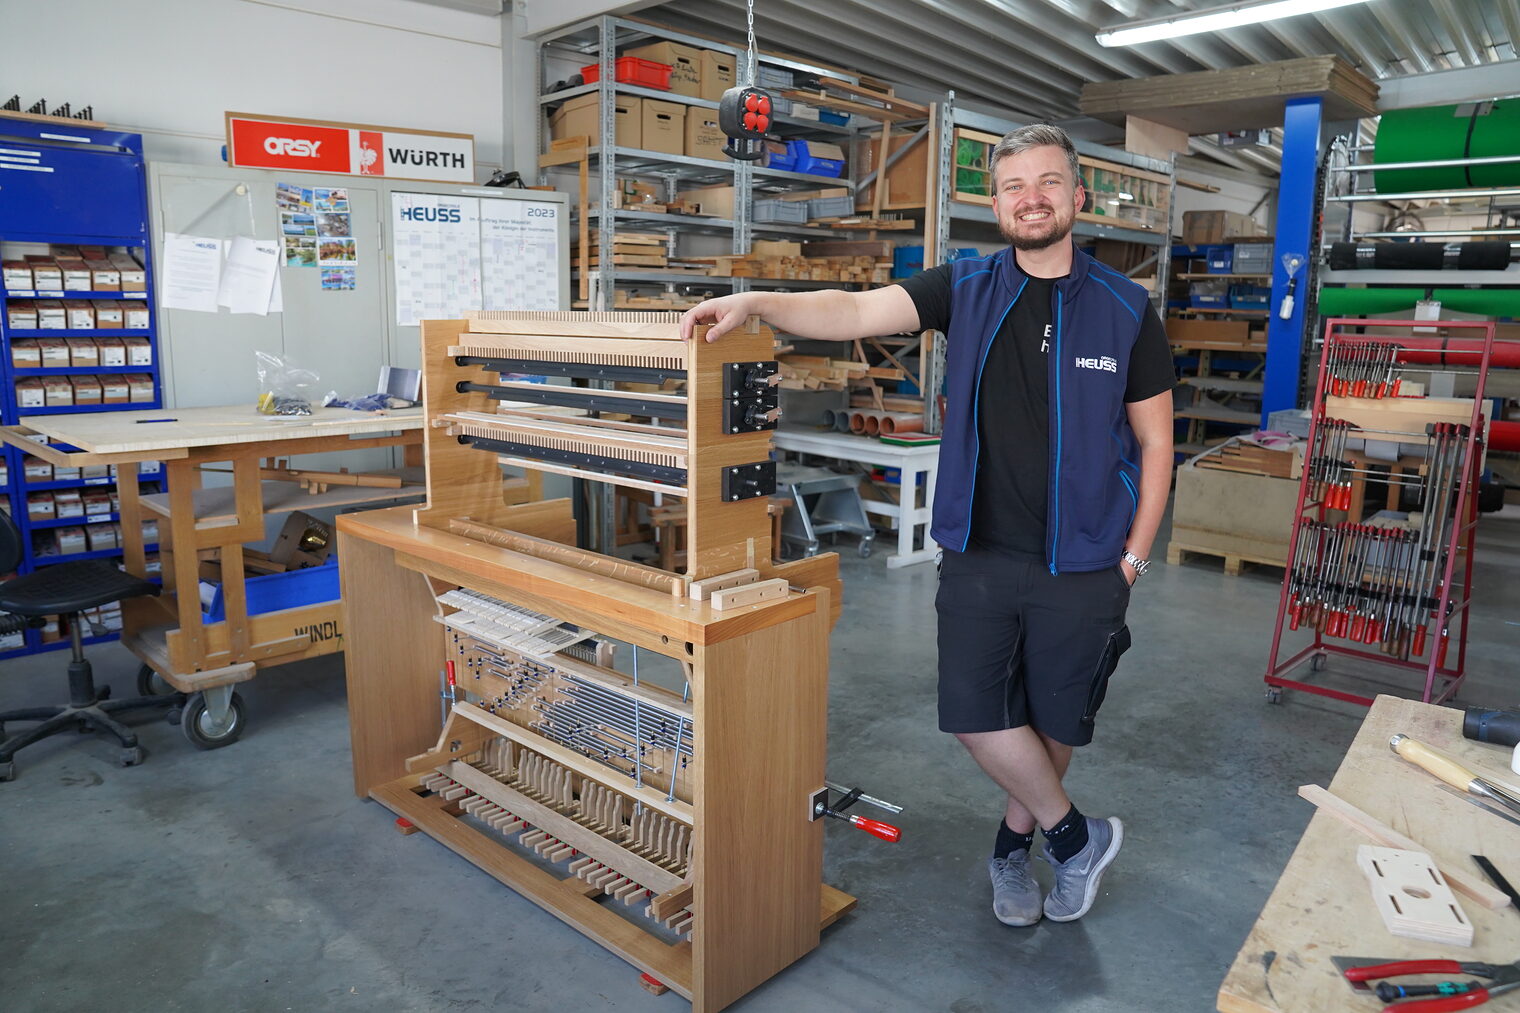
[[750, 25]]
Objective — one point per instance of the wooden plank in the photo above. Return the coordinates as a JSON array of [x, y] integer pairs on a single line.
[[217, 505], [703, 589], [564, 899], [761, 731], [556, 824], [749, 594], [593, 562], [393, 654]]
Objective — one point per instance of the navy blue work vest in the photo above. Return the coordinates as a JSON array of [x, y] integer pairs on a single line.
[[1094, 455]]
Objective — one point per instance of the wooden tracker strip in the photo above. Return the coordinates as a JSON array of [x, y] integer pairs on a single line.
[[593, 476], [583, 765], [566, 830], [560, 414], [576, 439], [643, 353], [541, 548], [563, 898], [632, 395]]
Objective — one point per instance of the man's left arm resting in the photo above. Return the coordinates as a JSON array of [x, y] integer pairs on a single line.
[[1151, 420]]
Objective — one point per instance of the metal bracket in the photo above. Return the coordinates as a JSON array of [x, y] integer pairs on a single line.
[[752, 401], [748, 481], [218, 708]]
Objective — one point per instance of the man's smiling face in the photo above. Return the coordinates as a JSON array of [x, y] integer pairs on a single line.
[[1035, 197]]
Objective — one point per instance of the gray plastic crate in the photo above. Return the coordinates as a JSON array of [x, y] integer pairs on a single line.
[[831, 207], [791, 212]]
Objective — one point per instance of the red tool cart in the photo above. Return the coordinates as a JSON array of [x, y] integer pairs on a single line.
[[1396, 596]]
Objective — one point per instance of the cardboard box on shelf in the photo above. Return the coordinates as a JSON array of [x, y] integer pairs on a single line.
[[102, 537], [134, 277], [46, 274], [134, 315], [113, 351], [25, 354], [51, 316], [715, 201], [109, 313], [95, 470], [57, 391], [717, 74], [704, 138], [16, 274], [150, 532], [663, 127], [685, 64], [97, 503], [114, 390], [21, 315], [1203, 227], [72, 539], [139, 351], [140, 387], [579, 117], [81, 314], [86, 390], [36, 469], [76, 274], [54, 352], [40, 506], [68, 503], [30, 393], [83, 352], [104, 276]]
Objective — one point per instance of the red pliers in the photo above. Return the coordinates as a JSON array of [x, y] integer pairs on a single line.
[[1445, 995]]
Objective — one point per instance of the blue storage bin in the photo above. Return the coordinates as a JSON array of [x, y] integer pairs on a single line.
[[830, 116], [807, 163], [1209, 294], [1221, 259], [776, 160], [1249, 297], [276, 591]]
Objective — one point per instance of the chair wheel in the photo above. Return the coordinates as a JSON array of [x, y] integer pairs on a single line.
[[1317, 663], [8, 770], [150, 683], [104, 693], [173, 714], [864, 549], [131, 756], [1274, 694], [195, 721]]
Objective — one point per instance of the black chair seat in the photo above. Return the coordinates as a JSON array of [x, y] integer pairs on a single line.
[[70, 587]]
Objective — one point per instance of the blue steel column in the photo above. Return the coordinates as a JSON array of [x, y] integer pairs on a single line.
[[1295, 234]]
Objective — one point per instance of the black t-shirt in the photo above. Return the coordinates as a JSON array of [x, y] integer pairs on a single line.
[[1008, 510]]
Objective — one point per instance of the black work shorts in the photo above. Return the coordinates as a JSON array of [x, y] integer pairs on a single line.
[[1019, 645]]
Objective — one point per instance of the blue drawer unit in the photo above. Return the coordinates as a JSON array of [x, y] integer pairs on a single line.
[[63, 185]]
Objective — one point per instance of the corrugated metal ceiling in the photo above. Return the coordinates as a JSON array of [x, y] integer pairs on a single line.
[[1030, 58]]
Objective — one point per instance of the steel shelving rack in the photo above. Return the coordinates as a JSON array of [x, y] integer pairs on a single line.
[[70, 185]]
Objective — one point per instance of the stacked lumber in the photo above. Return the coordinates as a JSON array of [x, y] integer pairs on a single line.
[[1248, 458], [629, 249], [1238, 98], [817, 372], [871, 270]]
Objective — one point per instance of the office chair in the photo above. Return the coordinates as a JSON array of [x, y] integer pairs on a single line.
[[65, 590]]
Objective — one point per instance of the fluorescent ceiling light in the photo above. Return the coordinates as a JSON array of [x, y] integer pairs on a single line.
[[1214, 19]]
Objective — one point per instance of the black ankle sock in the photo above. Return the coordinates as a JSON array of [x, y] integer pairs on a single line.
[[1067, 837], [1009, 841]]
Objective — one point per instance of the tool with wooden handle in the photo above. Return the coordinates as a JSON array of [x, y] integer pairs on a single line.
[[1450, 771]]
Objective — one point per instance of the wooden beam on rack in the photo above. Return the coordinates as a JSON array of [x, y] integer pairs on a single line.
[[902, 107]]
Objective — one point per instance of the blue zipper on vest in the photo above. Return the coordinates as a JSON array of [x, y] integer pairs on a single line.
[[976, 411], [1055, 482]]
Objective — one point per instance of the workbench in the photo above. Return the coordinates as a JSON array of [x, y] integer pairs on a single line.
[[170, 634], [918, 466], [1322, 907]]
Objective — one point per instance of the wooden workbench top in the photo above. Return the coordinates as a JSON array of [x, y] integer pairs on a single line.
[[222, 425], [1322, 907], [566, 590]]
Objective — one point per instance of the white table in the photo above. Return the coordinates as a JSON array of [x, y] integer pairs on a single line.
[[919, 466]]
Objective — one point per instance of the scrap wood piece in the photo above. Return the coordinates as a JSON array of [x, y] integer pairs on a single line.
[[750, 594], [1385, 835], [1412, 898]]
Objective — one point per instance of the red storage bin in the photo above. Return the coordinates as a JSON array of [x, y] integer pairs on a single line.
[[633, 70]]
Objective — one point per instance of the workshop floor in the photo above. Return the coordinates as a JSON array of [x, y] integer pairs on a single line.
[[253, 879]]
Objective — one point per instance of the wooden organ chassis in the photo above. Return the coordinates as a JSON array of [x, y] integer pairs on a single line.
[[758, 678]]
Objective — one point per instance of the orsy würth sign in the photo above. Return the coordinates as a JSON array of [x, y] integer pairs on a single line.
[[265, 142]]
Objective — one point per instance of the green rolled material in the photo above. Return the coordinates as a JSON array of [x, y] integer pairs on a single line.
[[1485, 302], [1356, 302], [1433, 133]]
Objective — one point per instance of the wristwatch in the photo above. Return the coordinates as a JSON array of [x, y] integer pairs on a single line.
[[1136, 563]]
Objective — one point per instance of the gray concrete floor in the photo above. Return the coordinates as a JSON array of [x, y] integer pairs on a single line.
[[251, 878]]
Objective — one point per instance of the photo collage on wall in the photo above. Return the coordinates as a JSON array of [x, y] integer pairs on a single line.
[[317, 230]]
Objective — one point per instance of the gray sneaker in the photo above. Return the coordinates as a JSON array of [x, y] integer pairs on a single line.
[[1078, 877], [1015, 894]]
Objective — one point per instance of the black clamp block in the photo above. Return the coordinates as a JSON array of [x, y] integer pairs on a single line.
[[748, 481]]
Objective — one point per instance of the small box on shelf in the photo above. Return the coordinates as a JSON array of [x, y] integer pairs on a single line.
[[135, 315], [51, 315], [113, 351], [17, 275], [21, 315], [680, 65], [83, 352], [108, 314], [25, 354], [134, 277], [717, 74]]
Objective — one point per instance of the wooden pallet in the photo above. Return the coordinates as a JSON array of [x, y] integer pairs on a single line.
[[1234, 563]]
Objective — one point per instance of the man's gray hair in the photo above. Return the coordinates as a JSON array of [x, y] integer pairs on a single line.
[[1037, 135]]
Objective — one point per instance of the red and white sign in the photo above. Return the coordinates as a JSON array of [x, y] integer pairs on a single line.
[[349, 148]]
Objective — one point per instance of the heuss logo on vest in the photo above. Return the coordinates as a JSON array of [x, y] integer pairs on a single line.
[[441, 214], [1107, 363]]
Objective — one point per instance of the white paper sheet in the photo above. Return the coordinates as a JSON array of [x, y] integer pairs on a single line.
[[192, 272], [248, 275], [520, 255]]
